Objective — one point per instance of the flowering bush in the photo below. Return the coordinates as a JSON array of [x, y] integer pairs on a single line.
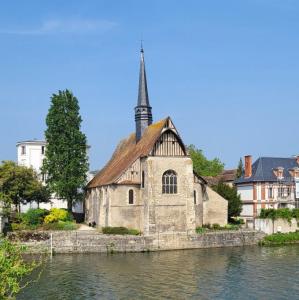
[[57, 214]]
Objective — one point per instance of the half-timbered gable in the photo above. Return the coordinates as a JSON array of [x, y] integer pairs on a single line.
[[131, 175], [169, 144]]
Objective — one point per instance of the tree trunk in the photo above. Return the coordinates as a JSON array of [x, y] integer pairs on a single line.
[[70, 205]]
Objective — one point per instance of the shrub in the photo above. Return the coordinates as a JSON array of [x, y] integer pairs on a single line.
[[57, 214], [22, 226], [60, 225], [200, 230], [280, 239], [34, 216], [216, 226], [120, 230], [280, 213]]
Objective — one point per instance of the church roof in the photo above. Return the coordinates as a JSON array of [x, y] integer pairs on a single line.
[[126, 153]]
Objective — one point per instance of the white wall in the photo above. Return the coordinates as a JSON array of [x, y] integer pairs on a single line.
[[280, 225], [246, 192]]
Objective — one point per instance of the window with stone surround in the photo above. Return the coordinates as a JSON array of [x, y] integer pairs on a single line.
[[169, 182], [131, 196]]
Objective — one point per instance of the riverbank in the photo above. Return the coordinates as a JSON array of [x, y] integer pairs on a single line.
[[95, 242], [279, 239]]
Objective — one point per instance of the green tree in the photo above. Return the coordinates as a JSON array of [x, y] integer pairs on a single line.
[[240, 168], [231, 195], [202, 165], [20, 185], [65, 163], [13, 268]]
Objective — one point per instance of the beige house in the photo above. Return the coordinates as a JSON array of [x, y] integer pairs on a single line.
[[149, 183]]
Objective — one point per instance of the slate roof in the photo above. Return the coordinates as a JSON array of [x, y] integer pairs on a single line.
[[262, 169], [126, 153]]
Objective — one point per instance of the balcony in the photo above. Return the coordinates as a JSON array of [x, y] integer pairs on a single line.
[[286, 199]]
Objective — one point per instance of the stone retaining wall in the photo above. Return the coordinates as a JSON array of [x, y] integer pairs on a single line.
[[90, 241]]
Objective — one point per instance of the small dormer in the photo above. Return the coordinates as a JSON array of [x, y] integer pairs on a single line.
[[278, 172], [294, 172]]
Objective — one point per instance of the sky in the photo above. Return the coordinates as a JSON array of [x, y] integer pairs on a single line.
[[227, 72]]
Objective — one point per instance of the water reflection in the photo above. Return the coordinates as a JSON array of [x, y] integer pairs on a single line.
[[228, 273]]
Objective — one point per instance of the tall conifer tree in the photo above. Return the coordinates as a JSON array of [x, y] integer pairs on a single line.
[[65, 163], [240, 169]]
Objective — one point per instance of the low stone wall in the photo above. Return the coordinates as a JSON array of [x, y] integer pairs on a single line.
[[91, 241], [280, 225]]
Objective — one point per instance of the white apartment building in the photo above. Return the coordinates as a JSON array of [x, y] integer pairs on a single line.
[[31, 154]]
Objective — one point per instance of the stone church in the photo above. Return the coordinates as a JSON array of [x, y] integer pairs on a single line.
[[149, 183]]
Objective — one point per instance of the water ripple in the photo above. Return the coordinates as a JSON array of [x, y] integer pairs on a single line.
[[227, 273]]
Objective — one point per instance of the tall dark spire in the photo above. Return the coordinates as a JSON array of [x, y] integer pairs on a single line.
[[143, 110]]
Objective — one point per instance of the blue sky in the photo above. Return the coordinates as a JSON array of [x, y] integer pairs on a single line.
[[227, 72]]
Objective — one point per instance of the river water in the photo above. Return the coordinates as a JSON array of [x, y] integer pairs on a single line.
[[223, 273]]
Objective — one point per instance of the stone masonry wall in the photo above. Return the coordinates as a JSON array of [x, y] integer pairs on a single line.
[[90, 241]]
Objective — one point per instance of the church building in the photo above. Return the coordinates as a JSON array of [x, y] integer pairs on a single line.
[[149, 183]]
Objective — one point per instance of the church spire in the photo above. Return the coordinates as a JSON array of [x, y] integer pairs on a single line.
[[143, 110]]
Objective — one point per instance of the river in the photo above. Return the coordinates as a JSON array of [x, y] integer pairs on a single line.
[[223, 273]]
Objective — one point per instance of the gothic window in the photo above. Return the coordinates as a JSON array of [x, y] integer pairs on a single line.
[[169, 182], [194, 195], [43, 149], [142, 179], [131, 196]]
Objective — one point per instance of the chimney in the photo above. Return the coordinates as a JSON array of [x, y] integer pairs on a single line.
[[248, 166]]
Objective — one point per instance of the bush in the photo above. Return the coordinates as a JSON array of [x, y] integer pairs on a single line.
[[60, 225], [216, 226], [22, 226], [34, 216], [120, 230], [280, 213], [280, 239], [200, 230], [58, 214]]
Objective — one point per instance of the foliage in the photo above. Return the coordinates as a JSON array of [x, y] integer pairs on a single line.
[[57, 214], [60, 225], [20, 185], [280, 213], [202, 165], [280, 239], [65, 160], [120, 230], [240, 169], [216, 227], [13, 269], [200, 230], [231, 195], [34, 216]]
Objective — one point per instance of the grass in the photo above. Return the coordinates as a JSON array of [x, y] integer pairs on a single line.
[[216, 227], [120, 230], [280, 239]]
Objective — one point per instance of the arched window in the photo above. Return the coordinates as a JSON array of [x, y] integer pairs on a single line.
[[142, 179], [194, 195], [131, 197], [169, 182]]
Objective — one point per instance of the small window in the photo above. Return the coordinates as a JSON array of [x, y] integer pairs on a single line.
[[169, 182], [23, 150], [43, 149], [194, 195], [131, 197], [270, 192], [142, 179]]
